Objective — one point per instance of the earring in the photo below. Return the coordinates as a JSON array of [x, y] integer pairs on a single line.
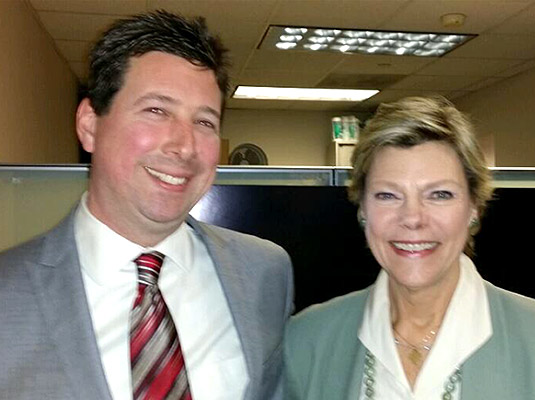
[[362, 222], [474, 222]]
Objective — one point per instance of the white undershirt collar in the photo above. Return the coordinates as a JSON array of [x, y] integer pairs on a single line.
[[106, 267]]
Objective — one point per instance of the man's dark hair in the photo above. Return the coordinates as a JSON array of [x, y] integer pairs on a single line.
[[140, 34]]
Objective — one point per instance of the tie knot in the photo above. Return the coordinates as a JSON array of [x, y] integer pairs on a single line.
[[148, 267]]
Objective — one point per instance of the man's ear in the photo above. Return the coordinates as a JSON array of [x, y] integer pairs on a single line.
[[86, 125]]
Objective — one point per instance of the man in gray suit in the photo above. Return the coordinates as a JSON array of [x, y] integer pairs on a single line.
[[151, 121]]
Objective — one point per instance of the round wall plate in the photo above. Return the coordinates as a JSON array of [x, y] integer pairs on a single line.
[[248, 154]]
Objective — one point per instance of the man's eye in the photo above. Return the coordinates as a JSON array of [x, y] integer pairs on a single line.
[[442, 195], [385, 196], [208, 124], [155, 110]]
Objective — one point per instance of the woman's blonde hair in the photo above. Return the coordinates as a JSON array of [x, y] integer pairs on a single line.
[[416, 120]]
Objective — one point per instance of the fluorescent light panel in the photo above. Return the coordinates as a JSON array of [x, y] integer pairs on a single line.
[[311, 94], [363, 41]]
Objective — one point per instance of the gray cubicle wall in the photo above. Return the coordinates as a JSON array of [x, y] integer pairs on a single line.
[[305, 210], [34, 198]]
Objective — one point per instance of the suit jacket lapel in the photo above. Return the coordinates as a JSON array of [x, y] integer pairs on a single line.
[[58, 283], [490, 372], [234, 283]]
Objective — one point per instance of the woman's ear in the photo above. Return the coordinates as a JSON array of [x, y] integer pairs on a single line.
[[474, 219], [86, 125], [361, 217]]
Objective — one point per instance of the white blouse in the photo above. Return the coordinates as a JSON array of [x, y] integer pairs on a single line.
[[465, 328]]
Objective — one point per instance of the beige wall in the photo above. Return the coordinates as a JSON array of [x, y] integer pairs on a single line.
[[37, 92], [287, 137], [504, 115]]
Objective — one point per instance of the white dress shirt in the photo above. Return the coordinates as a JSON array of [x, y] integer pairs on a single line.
[[191, 288], [465, 328]]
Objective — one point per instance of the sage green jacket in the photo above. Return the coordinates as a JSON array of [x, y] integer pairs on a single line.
[[324, 358]]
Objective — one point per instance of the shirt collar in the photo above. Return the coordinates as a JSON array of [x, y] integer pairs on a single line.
[[107, 257], [179, 247], [467, 317]]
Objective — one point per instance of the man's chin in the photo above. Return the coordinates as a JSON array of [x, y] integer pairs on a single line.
[[166, 219]]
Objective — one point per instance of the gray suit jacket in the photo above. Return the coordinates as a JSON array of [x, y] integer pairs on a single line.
[[48, 348]]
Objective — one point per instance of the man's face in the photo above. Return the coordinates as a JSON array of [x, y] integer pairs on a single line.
[[155, 152]]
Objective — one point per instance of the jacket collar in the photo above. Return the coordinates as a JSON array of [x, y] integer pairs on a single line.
[[232, 275], [57, 282]]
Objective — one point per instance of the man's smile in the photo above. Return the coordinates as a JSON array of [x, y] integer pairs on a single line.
[[170, 179]]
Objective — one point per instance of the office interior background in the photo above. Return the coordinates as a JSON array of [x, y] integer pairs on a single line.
[[44, 46]]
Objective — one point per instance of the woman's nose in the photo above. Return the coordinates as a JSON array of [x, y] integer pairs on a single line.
[[413, 214]]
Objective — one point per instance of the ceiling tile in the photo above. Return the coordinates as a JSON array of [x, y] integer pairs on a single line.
[[293, 60], [522, 23], [218, 10], [359, 81], [237, 65], [115, 7], [457, 94], [507, 73], [256, 104], [335, 14], [424, 15], [233, 20], [272, 77], [239, 23], [442, 83], [497, 46], [483, 84], [467, 66], [373, 64]]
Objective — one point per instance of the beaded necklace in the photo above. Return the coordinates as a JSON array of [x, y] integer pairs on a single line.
[[369, 379]]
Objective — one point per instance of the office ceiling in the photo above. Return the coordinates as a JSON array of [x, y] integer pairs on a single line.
[[505, 44]]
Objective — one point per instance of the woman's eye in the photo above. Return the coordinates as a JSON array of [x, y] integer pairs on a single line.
[[385, 196], [442, 195]]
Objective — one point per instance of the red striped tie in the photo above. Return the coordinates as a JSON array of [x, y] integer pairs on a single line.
[[158, 370]]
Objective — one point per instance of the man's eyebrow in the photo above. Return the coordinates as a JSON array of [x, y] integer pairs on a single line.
[[155, 96], [212, 111], [171, 100]]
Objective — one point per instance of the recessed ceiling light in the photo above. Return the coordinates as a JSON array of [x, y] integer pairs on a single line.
[[349, 41], [310, 94]]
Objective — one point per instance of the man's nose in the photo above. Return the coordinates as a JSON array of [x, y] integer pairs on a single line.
[[181, 141]]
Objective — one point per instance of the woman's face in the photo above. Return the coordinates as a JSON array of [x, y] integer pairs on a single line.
[[418, 210]]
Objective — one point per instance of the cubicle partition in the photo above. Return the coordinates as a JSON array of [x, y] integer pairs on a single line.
[[305, 210]]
